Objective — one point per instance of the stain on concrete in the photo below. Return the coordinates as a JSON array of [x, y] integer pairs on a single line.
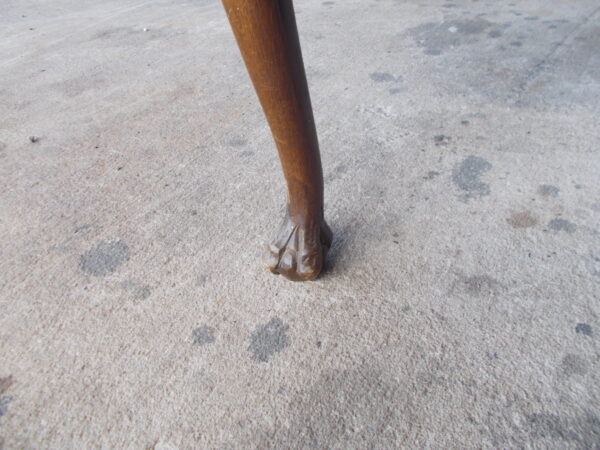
[[436, 38], [84, 229], [476, 285], [583, 328], [548, 190], [142, 292], [328, 3], [441, 139], [5, 399], [574, 365], [336, 173], [382, 77], [491, 355], [355, 407], [268, 339], [203, 335], [78, 85], [516, 43], [522, 219], [431, 175], [139, 291], [237, 142], [577, 432], [394, 91], [495, 33], [5, 383], [247, 154], [467, 176], [105, 258], [562, 225], [202, 280]]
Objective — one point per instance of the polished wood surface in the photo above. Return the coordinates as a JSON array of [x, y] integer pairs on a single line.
[[267, 36]]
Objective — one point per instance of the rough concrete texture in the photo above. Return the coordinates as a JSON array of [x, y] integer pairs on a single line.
[[461, 307]]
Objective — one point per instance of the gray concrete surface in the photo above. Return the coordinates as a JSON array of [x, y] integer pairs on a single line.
[[461, 309]]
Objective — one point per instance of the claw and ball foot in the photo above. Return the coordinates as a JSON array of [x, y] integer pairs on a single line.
[[266, 34], [299, 250]]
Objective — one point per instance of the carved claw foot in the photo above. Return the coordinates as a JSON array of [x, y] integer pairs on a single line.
[[298, 253]]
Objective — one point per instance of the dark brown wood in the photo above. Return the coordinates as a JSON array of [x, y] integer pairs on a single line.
[[266, 34]]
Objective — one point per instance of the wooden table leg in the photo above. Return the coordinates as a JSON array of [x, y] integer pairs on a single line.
[[266, 34]]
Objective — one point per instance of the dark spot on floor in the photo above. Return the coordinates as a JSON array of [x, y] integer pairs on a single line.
[[83, 229], [201, 280], [584, 329], [394, 91], [449, 5], [237, 142], [491, 355], [142, 292], [574, 365], [5, 383], [435, 38], [4, 401], [581, 431], [350, 406], [532, 18], [562, 225], [522, 219], [516, 43], [431, 175], [336, 173], [247, 153], [477, 285], [441, 139], [105, 258], [547, 190], [495, 33], [138, 291], [203, 335], [382, 77], [466, 175], [268, 339], [328, 3], [465, 122]]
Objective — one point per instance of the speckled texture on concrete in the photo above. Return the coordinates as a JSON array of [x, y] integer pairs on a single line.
[[461, 308]]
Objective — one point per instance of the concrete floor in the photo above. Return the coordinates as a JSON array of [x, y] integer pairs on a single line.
[[461, 307]]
